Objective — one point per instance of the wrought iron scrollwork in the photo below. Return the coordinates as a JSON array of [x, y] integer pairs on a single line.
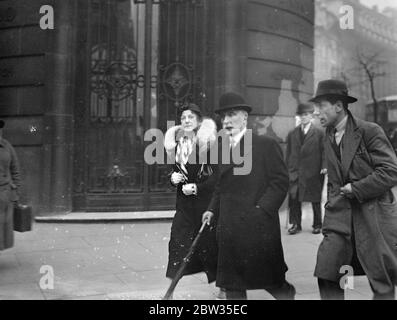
[[176, 82], [115, 80]]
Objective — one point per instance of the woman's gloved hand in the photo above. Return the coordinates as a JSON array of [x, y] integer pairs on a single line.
[[177, 178], [189, 189]]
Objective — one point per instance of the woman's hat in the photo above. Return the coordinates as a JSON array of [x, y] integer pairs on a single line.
[[192, 107], [333, 88], [230, 101]]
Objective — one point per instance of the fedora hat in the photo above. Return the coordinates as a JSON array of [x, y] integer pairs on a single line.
[[230, 101], [333, 88], [2, 124], [304, 107]]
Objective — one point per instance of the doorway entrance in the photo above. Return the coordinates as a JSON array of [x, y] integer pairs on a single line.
[[137, 62]]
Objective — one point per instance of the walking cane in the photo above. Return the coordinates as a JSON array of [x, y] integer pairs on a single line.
[[185, 262], [287, 219], [287, 215]]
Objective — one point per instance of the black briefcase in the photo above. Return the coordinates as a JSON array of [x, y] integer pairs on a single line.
[[22, 218]]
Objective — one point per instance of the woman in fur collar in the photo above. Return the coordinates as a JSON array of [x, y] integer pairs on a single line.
[[194, 179]]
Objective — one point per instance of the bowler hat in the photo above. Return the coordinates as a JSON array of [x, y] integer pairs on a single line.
[[2, 124], [192, 107], [230, 101], [304, 107], [333, 88]]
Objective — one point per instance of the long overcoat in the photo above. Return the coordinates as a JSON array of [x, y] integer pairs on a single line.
[[189, 209], [246, 204], [369, 163], [9, 183], [305, 160]]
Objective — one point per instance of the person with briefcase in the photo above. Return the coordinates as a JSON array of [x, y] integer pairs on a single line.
[[9, 185]]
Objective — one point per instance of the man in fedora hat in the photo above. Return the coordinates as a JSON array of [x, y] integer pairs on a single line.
[[305, 162], [246, 206], [360, 223]]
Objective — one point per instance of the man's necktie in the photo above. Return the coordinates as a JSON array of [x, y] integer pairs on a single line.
[[334, 132], [334, 143]]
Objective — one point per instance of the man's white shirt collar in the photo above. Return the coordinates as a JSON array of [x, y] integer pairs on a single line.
[[341, 126], [340, 130], [236, 139], [306, 128]]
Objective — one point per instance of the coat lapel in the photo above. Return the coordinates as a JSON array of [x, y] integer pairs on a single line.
[[296, 135], [309, 135], [351, 142], [224, 167]]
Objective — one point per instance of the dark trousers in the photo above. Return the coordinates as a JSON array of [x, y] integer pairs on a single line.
[[330, 290], [296, 213], [284, 292]]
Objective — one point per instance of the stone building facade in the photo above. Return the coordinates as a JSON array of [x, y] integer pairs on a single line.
[[78, 99], [337, 50]]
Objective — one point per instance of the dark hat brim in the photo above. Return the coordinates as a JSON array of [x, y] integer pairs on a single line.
[[348, 99], [298, 113], [244, 107]]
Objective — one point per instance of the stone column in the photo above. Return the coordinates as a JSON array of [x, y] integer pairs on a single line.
[[58, 119], [229, 65], [265, 52]]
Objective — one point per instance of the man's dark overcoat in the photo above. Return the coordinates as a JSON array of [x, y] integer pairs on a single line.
[[370, 164], [250, 253], [305, 160]]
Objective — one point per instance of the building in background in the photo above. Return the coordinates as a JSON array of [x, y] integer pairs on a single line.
[[78, 99], [337, 51]]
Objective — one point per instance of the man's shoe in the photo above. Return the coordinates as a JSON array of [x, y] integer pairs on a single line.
[[295, 229], [292, 292], [221, 294], [316, 230]]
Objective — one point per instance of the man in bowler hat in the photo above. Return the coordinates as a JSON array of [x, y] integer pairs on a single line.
[[306, 167], [360, 223], [245, 206]]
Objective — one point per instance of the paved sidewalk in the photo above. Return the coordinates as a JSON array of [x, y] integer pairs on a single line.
[[127, 260]]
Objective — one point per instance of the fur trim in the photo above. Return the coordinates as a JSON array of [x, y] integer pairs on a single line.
[[170, 139], [206, 136]]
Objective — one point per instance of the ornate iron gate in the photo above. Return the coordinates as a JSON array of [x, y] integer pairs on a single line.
[[142, 60]]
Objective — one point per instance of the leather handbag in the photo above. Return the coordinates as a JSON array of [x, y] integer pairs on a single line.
[[22, 218]]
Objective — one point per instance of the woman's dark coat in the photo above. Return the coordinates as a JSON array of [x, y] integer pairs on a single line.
[[189, 209]]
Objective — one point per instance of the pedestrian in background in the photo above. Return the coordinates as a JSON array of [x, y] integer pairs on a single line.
[[360, 223], [246, 206], [194, 178], [9, 185], [306, 167]]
